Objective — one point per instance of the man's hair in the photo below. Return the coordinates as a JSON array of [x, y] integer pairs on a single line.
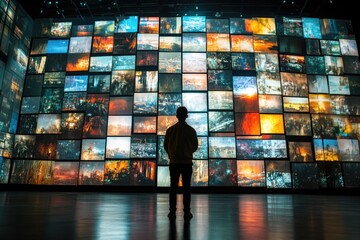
[[182, 113]]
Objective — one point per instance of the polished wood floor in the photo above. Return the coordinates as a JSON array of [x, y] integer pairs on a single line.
[[98, 215]]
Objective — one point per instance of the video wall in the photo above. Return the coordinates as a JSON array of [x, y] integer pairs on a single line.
[[15, 39], [275, 102]]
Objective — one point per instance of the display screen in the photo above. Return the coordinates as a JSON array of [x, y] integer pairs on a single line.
[[149, 25], [91, 173], [292, 45], [68, 149], [60, 29], [99, 83], [124, 43], [169, 43], [78, 62], [102, 44], [278, 174], [222, 172], [169, 62], [249, 148], [147, 41], [57, 46], [194, 23], [39, 46], [170, 25], [71, 125], [119, 126], [126, 24], [93, 149], [290, 26], [66, 173], [80, 44], [53, 79], [76, 83], [56, 62], [82, 30], [147, 58], [251, 173], [104, 28]]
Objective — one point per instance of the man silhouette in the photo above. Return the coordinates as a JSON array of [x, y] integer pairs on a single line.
[[180, 143]]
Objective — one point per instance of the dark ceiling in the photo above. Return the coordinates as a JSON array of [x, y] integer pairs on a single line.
[[85, 9], [228, 8]]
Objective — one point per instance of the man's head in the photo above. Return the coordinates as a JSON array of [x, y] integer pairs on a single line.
[[181, 113]]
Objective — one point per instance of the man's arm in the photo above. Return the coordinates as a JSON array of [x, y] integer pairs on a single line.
[[195, 142], [166, 140]]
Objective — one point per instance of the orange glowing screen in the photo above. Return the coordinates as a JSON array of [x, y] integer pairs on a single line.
[[272, 123], [264, 43], [66, 173], [242, 43], [251, 173], [218, 42], [113, 168], [78, 62], [247, 124], [320, 103], [120, 105], [265, 26], [103, 44]]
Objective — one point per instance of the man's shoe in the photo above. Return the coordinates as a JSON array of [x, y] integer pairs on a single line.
[[188, 216], [172, 216]]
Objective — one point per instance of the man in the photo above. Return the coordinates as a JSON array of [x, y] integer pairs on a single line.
[[180, 143]]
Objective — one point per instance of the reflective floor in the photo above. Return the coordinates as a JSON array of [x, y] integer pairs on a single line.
[[99, 215]]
